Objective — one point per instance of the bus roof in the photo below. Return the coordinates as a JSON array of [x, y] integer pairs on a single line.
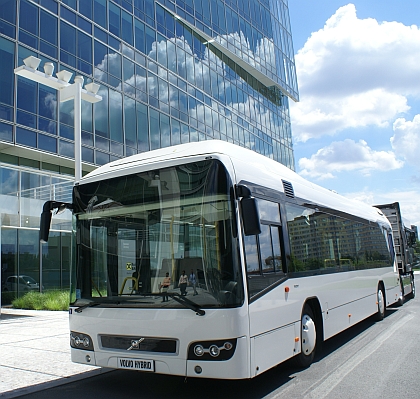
[[249, 166]]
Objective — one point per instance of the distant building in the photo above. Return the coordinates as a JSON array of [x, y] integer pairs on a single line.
[[170, 71]]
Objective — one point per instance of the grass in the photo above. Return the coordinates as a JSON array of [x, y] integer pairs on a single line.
[[49, 300]]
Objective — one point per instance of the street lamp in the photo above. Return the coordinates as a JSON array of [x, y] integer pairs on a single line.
[[67, 92]]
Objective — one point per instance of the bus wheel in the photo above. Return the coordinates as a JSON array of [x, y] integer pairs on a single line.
[[307, 338], [380, 297], [412, 294]]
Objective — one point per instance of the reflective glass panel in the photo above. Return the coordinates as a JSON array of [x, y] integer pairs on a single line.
[[28, 17], [48, 27], [6, 132], [114, 19], [142, 127], [127, 27], [68, 38], [47, 143], [130, 121], [115, 116], [84, 47], [9, 260], [8, 10], [100, 13], [28, 260], [25, 137]]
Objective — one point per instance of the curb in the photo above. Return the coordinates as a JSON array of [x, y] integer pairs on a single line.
[[52, 384]]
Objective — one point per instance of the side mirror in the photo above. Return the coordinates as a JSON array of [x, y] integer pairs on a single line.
[[46, 216], [44, 228], [250, 216]]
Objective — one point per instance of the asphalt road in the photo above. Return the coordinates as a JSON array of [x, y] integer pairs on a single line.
[[370, 360]]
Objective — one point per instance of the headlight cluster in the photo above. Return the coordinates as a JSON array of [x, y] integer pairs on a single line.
[[212, 350], [81, 341]]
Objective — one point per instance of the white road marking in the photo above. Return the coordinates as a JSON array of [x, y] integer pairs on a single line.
[[320, 391], [323, 389]]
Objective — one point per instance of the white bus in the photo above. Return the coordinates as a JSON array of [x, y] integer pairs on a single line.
[[279, 264]]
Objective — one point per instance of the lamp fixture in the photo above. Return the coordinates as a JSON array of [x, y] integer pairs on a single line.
[[49, 68], [64, 75], [32, 62], [92, 88]]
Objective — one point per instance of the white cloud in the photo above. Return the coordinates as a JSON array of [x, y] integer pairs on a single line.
[[355, 73], [408, 200], [347, 155], [406, 139]]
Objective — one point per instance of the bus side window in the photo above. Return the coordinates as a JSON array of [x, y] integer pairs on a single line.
[[263, 252], [266, 249], [325, 243], [270, 249], [275, 237], [251, 251]]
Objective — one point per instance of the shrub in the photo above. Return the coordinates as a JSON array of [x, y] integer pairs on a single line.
[[49, 300]]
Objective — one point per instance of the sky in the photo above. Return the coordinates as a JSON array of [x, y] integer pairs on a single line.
[[356, 128]]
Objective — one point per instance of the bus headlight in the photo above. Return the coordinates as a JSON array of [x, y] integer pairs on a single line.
[[212, 350], [198, 350], [81, 341]]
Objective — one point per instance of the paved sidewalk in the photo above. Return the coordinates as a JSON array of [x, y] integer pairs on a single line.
[[35, 352]]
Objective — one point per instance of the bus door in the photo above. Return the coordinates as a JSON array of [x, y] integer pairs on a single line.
[[127, 268]]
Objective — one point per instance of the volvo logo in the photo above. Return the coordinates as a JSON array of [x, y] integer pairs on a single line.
[[135, 344]]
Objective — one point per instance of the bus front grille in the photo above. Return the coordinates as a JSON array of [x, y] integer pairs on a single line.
[[138, 344]]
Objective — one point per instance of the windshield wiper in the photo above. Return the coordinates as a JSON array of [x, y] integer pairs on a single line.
[[86, 305], [187, 303], [94, 303]]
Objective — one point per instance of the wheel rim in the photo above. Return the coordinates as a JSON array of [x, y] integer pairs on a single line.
[[308, 335], [381, 303]]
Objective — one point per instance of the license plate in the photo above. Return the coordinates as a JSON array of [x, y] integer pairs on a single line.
[[136, 364]]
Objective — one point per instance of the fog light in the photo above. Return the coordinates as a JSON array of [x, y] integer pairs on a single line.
[[198, 350], [198, 369], [214, 350], [88, 359]]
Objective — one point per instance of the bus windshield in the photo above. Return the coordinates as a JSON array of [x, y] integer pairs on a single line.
[[151, 239]]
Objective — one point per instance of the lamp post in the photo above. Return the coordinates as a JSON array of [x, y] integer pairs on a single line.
[[67, 92]]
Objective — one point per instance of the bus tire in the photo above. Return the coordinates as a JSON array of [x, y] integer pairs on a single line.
[[380, 298], [308, 341], [412, 294]]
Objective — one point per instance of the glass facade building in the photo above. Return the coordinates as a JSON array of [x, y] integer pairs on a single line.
[[171, 71]]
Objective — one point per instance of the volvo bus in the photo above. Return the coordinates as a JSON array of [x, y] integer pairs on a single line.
[[280, 264]]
